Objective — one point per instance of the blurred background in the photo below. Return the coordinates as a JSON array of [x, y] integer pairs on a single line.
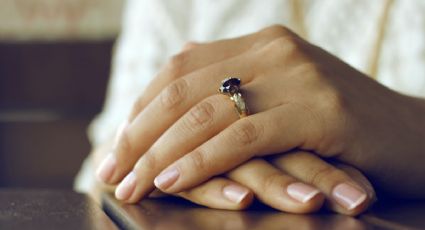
[[54, 66]]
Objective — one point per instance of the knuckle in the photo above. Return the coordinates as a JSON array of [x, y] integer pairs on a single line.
[[245, 132], [174, 94], [138, 106], [202, 114], [276, 30], [197, 161], [190, 45], [269, 183], [147, 162], [124, 145], [285, 45], [176, 65], [322, 174]]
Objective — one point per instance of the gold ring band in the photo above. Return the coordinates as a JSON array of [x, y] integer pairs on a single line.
[[230, 87]]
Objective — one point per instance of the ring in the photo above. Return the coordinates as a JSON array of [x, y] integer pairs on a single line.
[[230, 87]]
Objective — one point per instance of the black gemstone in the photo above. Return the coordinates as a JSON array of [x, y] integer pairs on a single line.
[[231, 81], [230, 85]]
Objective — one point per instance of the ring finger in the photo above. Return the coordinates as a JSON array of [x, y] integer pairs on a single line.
[[173, 102], [163, 109], [201, 123]]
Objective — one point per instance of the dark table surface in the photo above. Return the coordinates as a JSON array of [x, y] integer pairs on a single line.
[[64, 209], [174, 213], [50, 209]]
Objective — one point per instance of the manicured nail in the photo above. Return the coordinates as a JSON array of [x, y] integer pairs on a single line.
[[235, 193], [126, 187], [119, 132], [348, 196], [106, 168], [302, 192], [166, 178]]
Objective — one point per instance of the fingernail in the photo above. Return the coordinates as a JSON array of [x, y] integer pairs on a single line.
[[166, 178], [126, 187], [119, 132], [348, 196], [235, 193], [301, 192], [106, 168]]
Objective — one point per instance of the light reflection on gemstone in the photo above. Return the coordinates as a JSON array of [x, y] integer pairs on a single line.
[[230, 86]]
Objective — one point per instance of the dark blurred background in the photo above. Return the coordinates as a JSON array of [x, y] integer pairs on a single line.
[[55, 60]]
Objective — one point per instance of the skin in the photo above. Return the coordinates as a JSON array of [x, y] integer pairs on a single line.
[[305, 104], [254, 176]]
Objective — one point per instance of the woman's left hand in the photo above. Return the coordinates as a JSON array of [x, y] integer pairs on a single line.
[[299, 97]]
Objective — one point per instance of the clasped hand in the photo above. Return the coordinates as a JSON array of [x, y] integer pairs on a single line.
[[184, 138]]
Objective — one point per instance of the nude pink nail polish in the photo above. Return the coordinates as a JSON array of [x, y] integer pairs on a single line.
[[348, 196], [126, 187], [301, 192], [106, 168], [235, 193], [167, 178]]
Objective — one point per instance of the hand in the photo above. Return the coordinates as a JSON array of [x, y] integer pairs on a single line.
[[300, 97], [279, 90], [295, 182]]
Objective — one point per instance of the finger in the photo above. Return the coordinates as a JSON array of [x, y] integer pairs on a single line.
[[357, 176], [175, 100], [165, 76], [344, 194], [277, 189], [201, 123], [258, 134], [198, 125], [172, 103], [220, 193], [196, 56]]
